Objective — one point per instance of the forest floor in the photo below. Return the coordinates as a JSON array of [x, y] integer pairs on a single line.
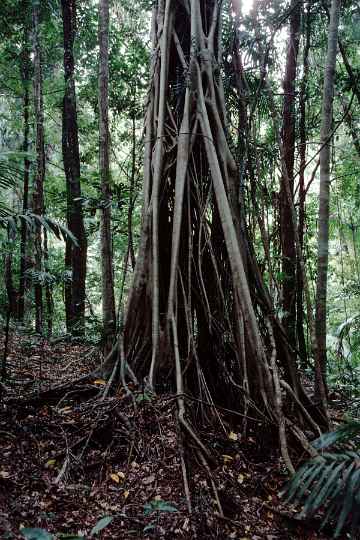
[[67, 459]]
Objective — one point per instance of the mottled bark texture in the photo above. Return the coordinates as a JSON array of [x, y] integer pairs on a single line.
[[301, 342], [107, 279], [38, 192], [287, 233], [25, 72], [324, 200], [75, 255], [195, 320]]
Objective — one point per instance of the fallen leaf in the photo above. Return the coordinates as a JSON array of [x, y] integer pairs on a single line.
[[149, 480], [126, 494], [4, 474], [99, 381], [233, 436], [65, 410], [227, 459], [240, 478], [115, 477], [49, 464]]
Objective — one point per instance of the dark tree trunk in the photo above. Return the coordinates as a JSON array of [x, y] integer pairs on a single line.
[[38, 193], [107, 274], [131, 252], [302, 153], [75, 254], [68, 277], [25, 70], [8, 273], [48, 289], [287, 233]]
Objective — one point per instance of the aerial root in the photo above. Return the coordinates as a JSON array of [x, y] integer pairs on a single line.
[[207, 468], [185, 477]]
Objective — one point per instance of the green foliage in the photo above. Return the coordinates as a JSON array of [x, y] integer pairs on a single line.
[[42, 534], [100, 525], [36, 534], [331, 481], [158, 506]]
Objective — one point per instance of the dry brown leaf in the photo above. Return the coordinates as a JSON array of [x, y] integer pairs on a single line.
[[149, 480]]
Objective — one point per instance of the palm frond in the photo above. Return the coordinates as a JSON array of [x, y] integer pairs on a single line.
[[12, 220], [341, 435], [331, 480]]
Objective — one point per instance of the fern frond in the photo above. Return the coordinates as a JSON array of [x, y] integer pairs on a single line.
[[331, 480]]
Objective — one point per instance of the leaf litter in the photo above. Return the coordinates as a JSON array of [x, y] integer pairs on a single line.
[[70, 461]]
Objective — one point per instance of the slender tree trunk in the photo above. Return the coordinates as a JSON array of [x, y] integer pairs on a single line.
[[302, 153], [132, 194], [25, 70], [324, 200], [75, 256], [241, 86], [48, 289], [8, 273], [68, 278], [108, 299], [288, 148], [38, 193]]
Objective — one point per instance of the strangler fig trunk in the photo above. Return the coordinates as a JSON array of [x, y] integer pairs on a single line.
[[199, 318]]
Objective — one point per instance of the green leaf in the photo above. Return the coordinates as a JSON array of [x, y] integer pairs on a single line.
[[342, 434], [143, 397], [166, 507], [323, 493], [292, 487], [101, 524], [158, 506], [348, 501], [314, 473], [36, 534]]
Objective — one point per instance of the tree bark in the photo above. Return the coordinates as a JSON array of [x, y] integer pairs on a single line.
[[75, 256], [287, 233], [8, 273], [302, 195], [48, 289], [38, 193], [107, 273], [194, 319], [25, 72], [324, 201]]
